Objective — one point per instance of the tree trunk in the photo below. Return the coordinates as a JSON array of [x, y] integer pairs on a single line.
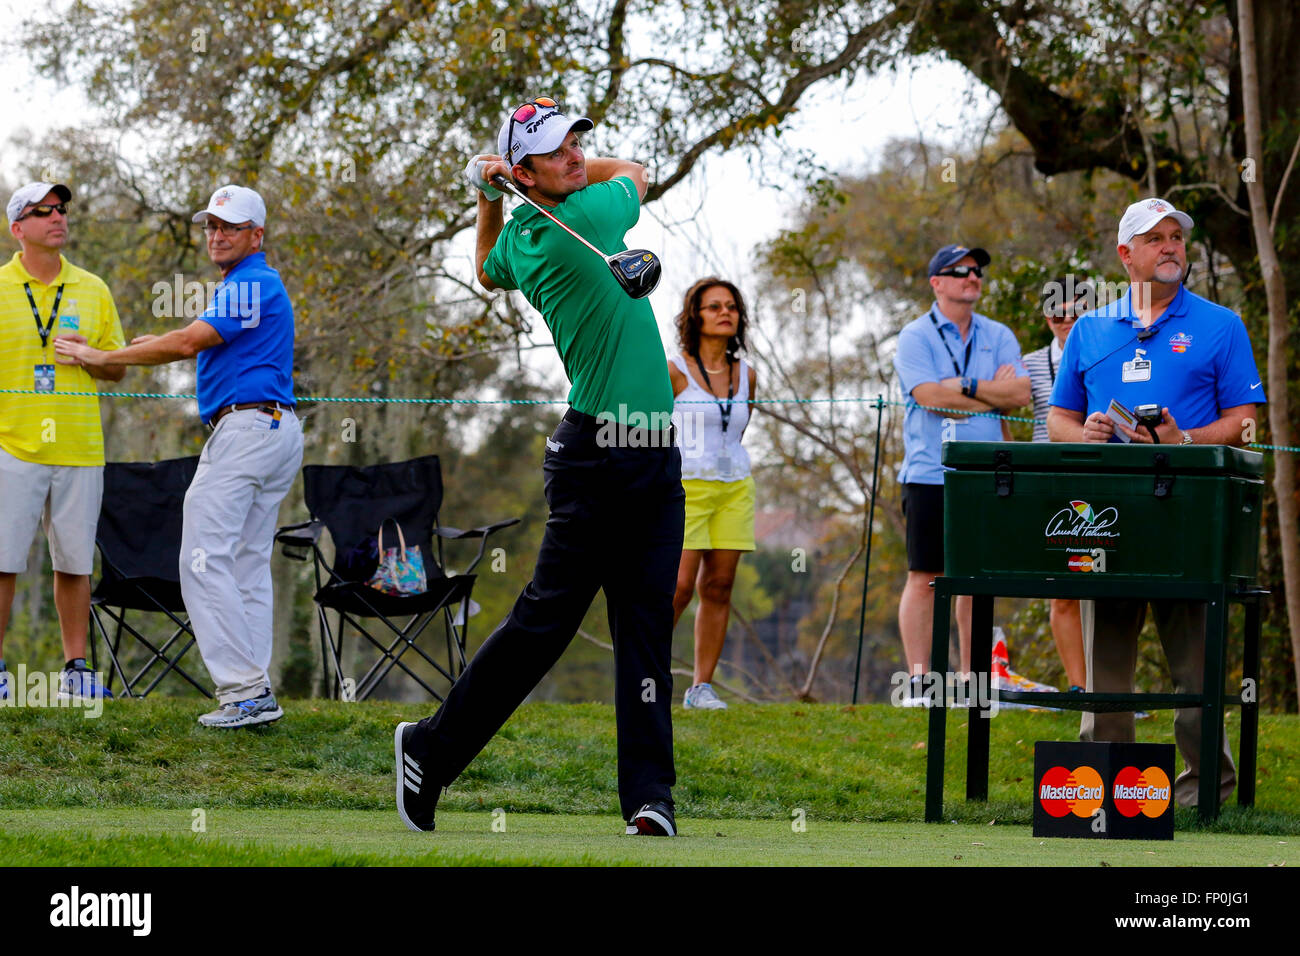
[[1275, 288]]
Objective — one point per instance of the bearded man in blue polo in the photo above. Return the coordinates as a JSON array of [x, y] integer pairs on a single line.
[[1162, 345]]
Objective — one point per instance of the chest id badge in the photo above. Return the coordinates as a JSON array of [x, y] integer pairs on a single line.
[[723, 464], [45, 379], [1138, 370]]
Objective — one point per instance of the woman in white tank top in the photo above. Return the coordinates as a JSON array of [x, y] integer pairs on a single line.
[[713, 388]]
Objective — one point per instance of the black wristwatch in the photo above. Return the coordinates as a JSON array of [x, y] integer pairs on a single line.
[[968, 386]]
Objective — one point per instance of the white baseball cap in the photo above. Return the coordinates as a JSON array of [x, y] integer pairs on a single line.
[[32, 194], [542, 132], [234, 204], [1144, 214]]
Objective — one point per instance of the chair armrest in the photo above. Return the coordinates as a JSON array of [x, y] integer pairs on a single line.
[[299, 539], [481, 533], [456, 534]]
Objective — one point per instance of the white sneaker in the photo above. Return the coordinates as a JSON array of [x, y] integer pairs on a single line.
[[915, 695], [244, 713], [703, 697]]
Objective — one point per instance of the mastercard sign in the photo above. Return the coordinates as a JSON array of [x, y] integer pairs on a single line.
[[1103, 790], [1078, 791], [1141, 791]]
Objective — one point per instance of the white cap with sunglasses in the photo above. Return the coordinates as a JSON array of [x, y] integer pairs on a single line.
[[31, 195], [234, 204], [536, 127]]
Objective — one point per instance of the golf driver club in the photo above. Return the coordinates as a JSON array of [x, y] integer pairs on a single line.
[[637, 270]]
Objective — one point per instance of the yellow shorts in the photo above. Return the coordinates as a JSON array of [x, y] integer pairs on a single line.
[[719, 515]]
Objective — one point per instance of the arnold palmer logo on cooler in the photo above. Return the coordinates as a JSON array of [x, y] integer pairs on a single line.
[[1141, 791], [1078, 791], [1079, 523]]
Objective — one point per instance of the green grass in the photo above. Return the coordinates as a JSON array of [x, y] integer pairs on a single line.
[[367, 838], [836, 763], [743, 773]]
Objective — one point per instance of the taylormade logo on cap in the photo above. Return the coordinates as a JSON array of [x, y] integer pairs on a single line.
[[542, 133], [1143, 216], [234, 204]]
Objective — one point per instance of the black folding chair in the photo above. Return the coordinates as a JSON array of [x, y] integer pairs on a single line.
[[352, 502], [139, 540]]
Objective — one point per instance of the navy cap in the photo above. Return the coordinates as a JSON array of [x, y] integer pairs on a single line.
[[955, 253]]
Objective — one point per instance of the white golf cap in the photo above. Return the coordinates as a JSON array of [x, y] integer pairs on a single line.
[[542, 132], [32, 194], [1144, 214], [234, 204]]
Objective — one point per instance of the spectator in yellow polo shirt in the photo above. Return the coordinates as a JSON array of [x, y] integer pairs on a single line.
[[51, 441]]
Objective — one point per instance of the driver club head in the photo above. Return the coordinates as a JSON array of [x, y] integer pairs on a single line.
[[637, 271]]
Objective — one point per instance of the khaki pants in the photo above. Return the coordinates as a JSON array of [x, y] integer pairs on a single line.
[[1110, 633]]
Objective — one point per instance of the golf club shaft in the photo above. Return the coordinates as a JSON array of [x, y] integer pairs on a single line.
[[502, 183]]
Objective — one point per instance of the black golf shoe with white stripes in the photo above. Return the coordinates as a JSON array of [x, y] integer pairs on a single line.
[[653, 819], [416, 797]]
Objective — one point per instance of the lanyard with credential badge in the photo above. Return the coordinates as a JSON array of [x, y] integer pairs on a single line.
[[959, 372], [731, 391], [44, 331]]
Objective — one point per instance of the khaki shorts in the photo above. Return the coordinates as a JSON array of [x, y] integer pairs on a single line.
[[64, 499], [719, 515]]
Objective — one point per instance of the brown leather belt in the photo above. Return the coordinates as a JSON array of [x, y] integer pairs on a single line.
[[244, 406]]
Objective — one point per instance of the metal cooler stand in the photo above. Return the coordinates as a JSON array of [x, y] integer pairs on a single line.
[[1170, 522]]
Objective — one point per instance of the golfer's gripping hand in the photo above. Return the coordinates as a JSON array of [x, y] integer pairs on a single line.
[[480, 169]]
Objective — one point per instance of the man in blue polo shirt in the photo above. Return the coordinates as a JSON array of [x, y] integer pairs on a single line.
[[1158, 345], [954, 364], [244, 344]]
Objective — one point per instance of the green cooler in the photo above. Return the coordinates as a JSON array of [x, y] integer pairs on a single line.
[[1188, 513], [1088, 521]]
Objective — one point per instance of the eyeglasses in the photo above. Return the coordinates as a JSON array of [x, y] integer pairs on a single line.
[[719, 307], [44, 210], [961, 272], [523, 115], [1061, 319], [225, 228]]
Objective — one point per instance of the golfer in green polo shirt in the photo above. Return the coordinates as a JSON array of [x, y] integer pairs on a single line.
[[616, 503]]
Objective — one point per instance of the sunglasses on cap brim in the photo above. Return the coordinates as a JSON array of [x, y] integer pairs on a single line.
[[522, 115]]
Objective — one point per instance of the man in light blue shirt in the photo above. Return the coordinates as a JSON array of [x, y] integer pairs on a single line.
[[961, 369]]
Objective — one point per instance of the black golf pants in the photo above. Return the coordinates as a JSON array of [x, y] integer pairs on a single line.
[[616, 520]]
